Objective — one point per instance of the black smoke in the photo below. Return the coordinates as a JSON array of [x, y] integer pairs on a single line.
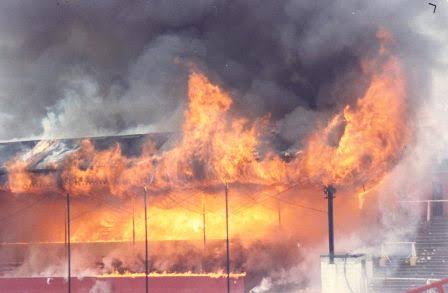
[[80, 68]]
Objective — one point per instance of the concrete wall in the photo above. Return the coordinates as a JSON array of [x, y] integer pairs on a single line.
[[349, 273]]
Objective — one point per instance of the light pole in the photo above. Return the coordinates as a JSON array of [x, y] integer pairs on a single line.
[[329, 192], [146, 240]]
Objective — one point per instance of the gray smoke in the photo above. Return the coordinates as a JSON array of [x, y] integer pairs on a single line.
[[81, 68], [72, 68]]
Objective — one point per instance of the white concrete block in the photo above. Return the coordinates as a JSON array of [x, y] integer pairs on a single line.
[[348, 273]]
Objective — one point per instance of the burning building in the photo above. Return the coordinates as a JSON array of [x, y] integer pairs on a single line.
[[186, 175], [242, 126]]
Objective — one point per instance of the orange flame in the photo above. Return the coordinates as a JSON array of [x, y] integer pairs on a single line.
[[215, 147], [356, 148], [375, 134]]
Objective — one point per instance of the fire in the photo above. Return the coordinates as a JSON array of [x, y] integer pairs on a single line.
[[208, 150], [174, 218], [216, 147], [373, 137], [19, 179], [356, 149], [167, 274]]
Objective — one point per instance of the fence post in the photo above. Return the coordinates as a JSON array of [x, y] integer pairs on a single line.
[[383, 258], [413, 259]]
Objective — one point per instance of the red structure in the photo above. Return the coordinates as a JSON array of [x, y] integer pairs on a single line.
[[124, 284], [438, 286]]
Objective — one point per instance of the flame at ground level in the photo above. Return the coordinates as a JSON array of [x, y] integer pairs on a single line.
[[164, 275]]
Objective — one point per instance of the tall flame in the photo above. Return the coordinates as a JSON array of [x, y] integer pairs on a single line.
[[375, 134], [215, 146], [356, 148]]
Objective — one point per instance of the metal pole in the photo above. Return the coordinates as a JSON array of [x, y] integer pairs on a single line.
[[329, 192], [146, 243], [68, 245], [203, 221], [279, 211], [65, 231], [133, 221], [227, 239]]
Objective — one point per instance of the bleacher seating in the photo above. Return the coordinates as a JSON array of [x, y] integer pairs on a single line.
[[432, 261]]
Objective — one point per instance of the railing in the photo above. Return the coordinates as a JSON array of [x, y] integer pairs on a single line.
[[412, 256], [429, 282], [437, 286], [428, 205]]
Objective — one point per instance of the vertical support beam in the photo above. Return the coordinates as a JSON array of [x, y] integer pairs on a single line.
[[413, 258], [146, 241], [279, 213], [133, 222], [65, 231], [330, 228], [68, 246], [329, 193], [227, 238], [203, 222], [428, 211]]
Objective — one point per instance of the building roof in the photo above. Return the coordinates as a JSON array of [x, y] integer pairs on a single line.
[[40, 154]]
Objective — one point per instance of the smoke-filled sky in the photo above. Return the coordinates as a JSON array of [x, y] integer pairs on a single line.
[[80, 68]]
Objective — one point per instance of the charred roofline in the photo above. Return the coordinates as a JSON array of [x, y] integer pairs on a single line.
[[125, 136]]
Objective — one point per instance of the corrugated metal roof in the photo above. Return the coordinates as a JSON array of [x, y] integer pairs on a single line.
[[40, 154]]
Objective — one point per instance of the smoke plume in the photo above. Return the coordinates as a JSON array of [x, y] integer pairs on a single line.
[[80, 68]]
